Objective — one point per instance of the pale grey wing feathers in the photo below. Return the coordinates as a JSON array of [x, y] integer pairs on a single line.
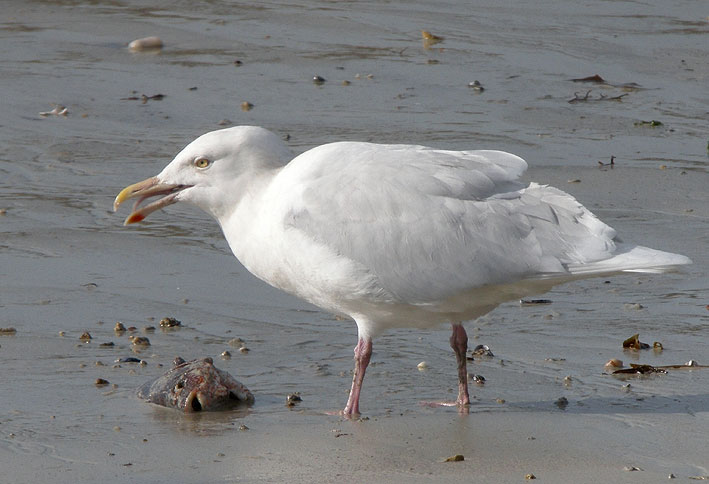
[[429, 224]]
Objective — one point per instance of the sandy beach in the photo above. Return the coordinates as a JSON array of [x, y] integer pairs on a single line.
[[548, 407]]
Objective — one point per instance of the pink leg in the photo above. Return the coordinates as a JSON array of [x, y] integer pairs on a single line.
[[459, 343], [362, 355]]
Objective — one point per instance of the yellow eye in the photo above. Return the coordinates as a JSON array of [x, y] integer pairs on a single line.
[[201, 162]]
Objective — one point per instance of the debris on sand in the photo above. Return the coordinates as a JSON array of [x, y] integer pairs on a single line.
[[152, 43], [634, 343]]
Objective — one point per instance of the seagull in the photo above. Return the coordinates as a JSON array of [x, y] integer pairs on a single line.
[[390, 235]]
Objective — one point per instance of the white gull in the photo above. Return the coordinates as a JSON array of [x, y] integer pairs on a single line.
[[391, 235]]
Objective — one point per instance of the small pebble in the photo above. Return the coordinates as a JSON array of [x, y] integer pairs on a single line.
[[633, 306], [246, 106], [244, 349], [243, 427], [671, 476], [562, 403], [107, 345], [146, 43], [455, 458], [614, 363], [479, 379], [631, 468], [85, 336], [100, 382], [236, 342], [226, 355], [62, 333], [140, 341], [500, 400], [319, 80], [148, 329], [346, 83], [529, 477], [422, 366], [692, 363], [119, 328]]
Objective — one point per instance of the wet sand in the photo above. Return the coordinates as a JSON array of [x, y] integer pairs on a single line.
[[68, 265]]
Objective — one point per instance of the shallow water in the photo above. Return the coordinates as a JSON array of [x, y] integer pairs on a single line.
[[67, 264]]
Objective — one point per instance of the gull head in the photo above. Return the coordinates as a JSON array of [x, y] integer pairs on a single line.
[[213, 172]]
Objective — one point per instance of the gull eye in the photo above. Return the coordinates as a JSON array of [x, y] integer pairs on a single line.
[[202, 162]]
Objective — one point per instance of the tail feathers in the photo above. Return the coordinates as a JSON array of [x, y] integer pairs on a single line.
[[632, 259]]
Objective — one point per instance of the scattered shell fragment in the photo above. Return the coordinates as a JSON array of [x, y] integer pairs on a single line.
[[244, 349], [226, 355], [58, 110], [85, 336], [146, 43], [6, 331], [640, 370], [614, 363], [319, 80], [246, 106], [483, 350], [430, 39], [293, 398], [530, 476], [422, 366], [479, 379], [634, 306], [691, 363], [455, 458], [476, 86], [169, 322], [534, 302], [130, 359], [634, 343], [657, 346], [243, 427], [632, 468]]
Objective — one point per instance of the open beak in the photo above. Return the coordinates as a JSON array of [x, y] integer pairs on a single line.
[[144, 190]]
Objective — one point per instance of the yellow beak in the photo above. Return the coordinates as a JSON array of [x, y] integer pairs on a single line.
[[144, 190]]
